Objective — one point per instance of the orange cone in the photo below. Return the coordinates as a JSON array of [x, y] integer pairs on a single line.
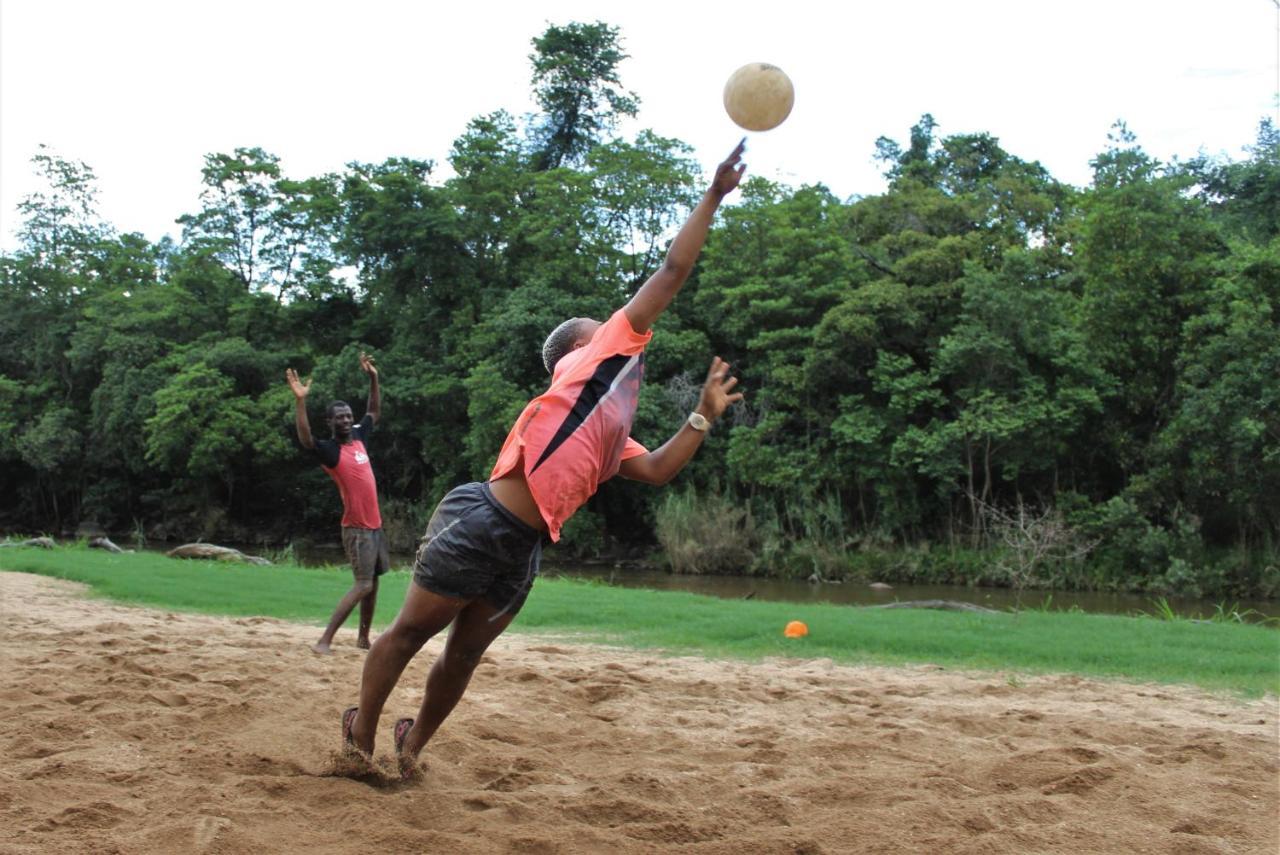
[[796, 629]]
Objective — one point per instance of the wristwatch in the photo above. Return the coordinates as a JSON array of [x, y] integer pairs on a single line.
[[698, 422]]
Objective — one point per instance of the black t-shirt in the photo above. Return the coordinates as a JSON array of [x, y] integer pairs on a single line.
[[329, 451]]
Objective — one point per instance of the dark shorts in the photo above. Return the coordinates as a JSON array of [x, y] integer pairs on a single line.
[[475, 548], [366, 549]]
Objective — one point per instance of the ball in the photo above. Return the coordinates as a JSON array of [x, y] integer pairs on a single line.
[[759, 96]]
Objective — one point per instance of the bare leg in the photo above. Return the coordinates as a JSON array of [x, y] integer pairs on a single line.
[[366, 615], [423, 615], [358, 592], [470, 637]]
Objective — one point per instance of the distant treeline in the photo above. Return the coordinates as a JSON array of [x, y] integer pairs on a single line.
[[980, 375]]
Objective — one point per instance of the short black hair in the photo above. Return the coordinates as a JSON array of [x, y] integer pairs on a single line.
[[333, 405], [560, 342]]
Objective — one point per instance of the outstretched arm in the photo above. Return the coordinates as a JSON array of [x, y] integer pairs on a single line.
[[661, 288], [374, 405], [659, 467], [300, 419]]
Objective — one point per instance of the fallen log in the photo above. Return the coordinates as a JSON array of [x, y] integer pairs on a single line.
[[105, 543], [215, 553], [944, 605], [40, 542]]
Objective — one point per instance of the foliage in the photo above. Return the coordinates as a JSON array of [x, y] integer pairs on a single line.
[[980, 335], [706, 534], [575, 82]]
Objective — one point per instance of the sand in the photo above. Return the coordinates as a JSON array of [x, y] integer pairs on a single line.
[[136, 731]]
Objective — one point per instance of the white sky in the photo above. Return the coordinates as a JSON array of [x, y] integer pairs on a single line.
[[141, 91]]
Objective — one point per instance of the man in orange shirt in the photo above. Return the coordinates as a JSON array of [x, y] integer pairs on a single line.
[[346, 460], [483, 544]]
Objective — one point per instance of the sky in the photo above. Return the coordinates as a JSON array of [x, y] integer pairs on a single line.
[[141, 91]]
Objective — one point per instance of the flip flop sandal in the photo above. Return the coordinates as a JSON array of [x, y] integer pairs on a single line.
[[401, 731], [349, 719]]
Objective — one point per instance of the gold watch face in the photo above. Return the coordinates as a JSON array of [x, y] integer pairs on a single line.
[[697, 421]]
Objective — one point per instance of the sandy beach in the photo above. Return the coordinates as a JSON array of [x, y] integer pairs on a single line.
[[131, 730]]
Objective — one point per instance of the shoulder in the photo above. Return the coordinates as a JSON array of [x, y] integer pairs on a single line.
[[615, 338], [327, 452], [618, 335]]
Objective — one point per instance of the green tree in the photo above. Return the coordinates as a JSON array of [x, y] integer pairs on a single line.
[[1146, 252], [575, 82], [274, 233], [643, 190], [205, 434], [1245, 195], [1223, 439], [60, 223]]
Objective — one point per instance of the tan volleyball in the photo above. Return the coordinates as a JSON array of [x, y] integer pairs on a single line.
[[759, 96]]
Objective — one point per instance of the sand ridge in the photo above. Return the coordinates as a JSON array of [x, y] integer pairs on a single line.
[[134, 730]]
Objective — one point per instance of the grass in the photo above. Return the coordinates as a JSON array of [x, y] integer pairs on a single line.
[[1214, 655]]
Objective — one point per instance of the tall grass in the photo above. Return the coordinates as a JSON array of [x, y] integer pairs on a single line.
[[1215, 655], [705, 535]]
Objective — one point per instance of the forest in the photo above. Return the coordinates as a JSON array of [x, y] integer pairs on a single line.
[[982, 375]]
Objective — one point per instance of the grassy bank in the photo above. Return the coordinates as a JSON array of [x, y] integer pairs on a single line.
[[1228, 656]]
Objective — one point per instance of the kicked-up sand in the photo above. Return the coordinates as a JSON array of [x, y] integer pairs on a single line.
[[133, 730]]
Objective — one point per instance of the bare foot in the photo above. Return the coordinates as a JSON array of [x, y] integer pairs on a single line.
[[321, 647], [362, 643]]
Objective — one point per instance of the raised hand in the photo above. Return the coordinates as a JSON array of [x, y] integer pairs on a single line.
[[298, 388], [729, 173], [366, 364], [716, 392]]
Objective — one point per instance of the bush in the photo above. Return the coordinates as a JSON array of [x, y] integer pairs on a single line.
[[708, 535], [403, 523], [583, 535]]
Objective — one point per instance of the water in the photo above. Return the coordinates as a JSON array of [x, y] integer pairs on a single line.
[[860, 594]]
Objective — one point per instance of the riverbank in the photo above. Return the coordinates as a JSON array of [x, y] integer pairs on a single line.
[[1220, 656]]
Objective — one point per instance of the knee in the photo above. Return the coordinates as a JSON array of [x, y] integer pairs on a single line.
[[407, 636], [464, 659], [364, 587]]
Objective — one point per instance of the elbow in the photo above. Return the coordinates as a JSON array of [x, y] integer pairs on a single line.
[[652, 477], [677, 269]]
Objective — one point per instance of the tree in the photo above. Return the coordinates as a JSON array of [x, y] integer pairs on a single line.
[[1222, 441], [61, 223], [1020, 381], [1146, 252], [643, 191], [274, 233], [203, 433], [53, 445], [575, 82], [1244, 196], [237, 204]]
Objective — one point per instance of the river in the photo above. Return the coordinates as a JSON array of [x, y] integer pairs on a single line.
[[861, 594]]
